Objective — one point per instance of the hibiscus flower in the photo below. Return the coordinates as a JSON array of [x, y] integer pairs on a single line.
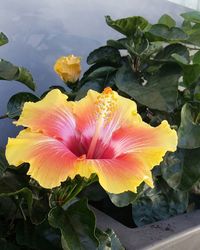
[[102, 134]]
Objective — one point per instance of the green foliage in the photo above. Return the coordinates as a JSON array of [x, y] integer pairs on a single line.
[[192, 16], [181, 170], [157, 93], [104, 54], [77, 226], [127, 26], [126, 198], [16, 103], [189, 130], [108, 240], [40, 237], [161, 32], [159, 203], [159, 69], [3, 39], [10, 72], [167, 20]]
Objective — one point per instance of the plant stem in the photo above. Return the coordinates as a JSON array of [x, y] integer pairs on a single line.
[[3, 116]]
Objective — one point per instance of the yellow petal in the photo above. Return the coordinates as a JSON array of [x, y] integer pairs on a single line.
[[52, 116]]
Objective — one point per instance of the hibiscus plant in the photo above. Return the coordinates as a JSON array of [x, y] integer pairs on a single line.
[[128, 130]]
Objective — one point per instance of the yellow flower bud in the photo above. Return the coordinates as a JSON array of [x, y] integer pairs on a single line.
[[68, 68]]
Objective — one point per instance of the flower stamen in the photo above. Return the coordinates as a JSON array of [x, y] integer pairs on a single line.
[[105, 107]]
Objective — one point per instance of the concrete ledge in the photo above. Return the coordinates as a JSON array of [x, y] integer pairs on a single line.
[[179, 232]]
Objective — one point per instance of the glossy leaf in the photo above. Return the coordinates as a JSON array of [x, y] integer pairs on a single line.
[[123, 199], [25, 77], [166, 54], [197, 93], [196, 58], [159, 93], [167, 20], [161, 32], [105, 54], [16, 103], [126, 198], [77, 226], [192, 16], [3, 39], [12, 181], [101, 72], [3, 162], [189, 130], [191, 72], [127, 26], [23, 193], [95, 85], [118, 44], [159, 203], [108, 240], [181, 170], [11, 72]]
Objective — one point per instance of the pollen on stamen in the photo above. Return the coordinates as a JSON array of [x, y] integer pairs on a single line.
[[105, 105]]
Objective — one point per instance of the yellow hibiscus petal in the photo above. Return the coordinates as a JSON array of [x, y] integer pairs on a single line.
[[52, 116], [50, 160], [121, 174], [147, 144]]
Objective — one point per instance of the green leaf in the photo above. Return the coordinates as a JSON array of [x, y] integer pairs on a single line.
[[127, 26], [3, 162], [40, 207], [123, 199], [189, 130], [40, 237], [101, 72], [77, 226], [159, 93], [3, 39], [186, 26], [12, 180], [24, 193], [11, 72], [8, 71], [126, 198], [159, 203], [191, 72], [24, 76], [197, 93], [167, 20], [115, 242], [105, 54], [16, 103], [108, 240], [181, 169], [172, 168], [196, 58], [161, 32], [166, 54], [118, 44], [94, 85], [93, 192], [192, 16]]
